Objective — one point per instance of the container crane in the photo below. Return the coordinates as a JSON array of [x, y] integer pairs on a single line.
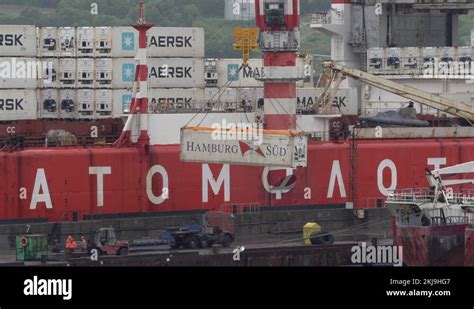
[[334, 74], [277, 143]]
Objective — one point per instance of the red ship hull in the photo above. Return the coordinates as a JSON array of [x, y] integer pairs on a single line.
[[469, 247], [55, 183], [433, 246]]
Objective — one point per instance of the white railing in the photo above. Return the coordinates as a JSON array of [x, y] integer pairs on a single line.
[[447, 216], [464, 198], [411, 195]]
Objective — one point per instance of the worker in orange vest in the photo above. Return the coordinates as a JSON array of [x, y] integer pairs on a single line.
[[70, 244]]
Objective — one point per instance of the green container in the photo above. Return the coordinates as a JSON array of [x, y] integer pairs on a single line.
[[33, 248]]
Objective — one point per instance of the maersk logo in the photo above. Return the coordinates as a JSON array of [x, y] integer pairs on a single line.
[[128, 72], [233, 72], [126, 102], [128, 41]]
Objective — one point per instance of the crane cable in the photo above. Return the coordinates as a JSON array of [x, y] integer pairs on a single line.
[[219, 94], [224, 87]]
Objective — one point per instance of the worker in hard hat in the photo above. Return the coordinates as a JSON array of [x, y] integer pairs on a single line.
[[83, 244], [71, 245]]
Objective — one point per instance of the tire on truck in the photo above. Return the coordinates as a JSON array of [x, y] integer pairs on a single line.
[[191, 242], [227, 241], [321, 238], [203, 242], [174, 243]]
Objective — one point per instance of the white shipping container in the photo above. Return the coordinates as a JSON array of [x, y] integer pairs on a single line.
[[103, 101], [162, 42], [103, 41], [375, 60], [445, 57], [48, 41], [166, 100], [252, 94], [428, 52], [278, 150], [211, 76], [428, 58], [393, 60], [18, 41], [48, 105], [464, 53], [222, 99], [49, 77], [85, 72], [410, 60], [163, 72], [122, 98], [446, 53], [67, 72], [85, 101], [230, 76], [17, 104], [85, 41], [103, 72], [68, 103], [67, 41], [345, 101], [19, 73]]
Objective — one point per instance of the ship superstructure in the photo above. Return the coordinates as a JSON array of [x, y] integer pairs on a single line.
[[416, 43]]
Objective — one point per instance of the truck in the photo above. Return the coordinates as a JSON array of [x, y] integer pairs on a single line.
[[105, 242], [218, 228]]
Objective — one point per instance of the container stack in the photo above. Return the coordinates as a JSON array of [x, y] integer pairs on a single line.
[[75, 81], [421, 62], [232, 89], [18, 76], [87, 72], [176, 68]]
